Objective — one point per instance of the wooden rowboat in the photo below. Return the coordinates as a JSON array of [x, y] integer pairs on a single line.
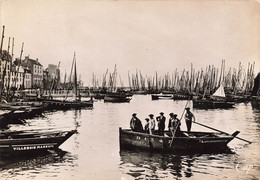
[[117, 97], [161, 96], [199, 141], [16, 142]]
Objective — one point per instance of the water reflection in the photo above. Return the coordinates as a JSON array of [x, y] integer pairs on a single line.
[[143, 165], [93, 153], [35, 161]]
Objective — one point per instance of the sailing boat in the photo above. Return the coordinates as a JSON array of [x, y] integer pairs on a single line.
[[216, 100], [113, 94], [73, 103]]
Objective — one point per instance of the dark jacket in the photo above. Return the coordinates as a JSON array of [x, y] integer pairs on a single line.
[[161, 122], [136, 124]]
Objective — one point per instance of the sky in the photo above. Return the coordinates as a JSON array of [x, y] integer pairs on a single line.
[[147, 35]]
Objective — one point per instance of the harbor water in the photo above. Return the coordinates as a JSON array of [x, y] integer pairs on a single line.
[[93, 153]]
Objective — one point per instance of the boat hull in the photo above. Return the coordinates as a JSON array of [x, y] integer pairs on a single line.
[[208, 142], [207, 104], [161, 96], [181, 97], [30, 142], [58, 104], [117, 98]]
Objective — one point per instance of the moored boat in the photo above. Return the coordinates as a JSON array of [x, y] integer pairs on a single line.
[[117, 97], [238, 98], [143, 92], [181, 96], [201, 141], [27, 141], [217, 100], [74, 103], [161, 96], [211, 104], [66, 104]]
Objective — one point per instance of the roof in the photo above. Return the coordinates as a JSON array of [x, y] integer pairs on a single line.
[[27, 62]]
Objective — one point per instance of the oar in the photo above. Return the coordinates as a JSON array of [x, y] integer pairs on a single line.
[[173, 134], [221, 132]]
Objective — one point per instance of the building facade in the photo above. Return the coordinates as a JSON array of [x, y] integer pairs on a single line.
[[36, 70], [17, 77]]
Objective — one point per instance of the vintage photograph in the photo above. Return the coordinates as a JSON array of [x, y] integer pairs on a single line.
[[129, 89]]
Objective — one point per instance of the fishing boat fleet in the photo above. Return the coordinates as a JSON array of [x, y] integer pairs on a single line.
[[204, 88]]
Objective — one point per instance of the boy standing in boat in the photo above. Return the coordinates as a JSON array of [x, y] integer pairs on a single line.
[[188, 118], [170, 120], [176, 125], [136, 124], [146, 127], [161, 123], [151, 124]]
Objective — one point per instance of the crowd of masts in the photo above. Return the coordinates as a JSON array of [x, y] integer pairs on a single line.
[[188, 81]]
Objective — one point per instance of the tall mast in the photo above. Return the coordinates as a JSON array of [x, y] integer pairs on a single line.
[[10, 70], [2, 41], [75, 77], [69, 83], [4, 71], [65, 76]]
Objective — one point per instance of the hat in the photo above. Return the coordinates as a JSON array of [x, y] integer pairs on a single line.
[[147, 119], [134, 114], [171, 114], [187, 108], [161, 113], [151, 115], [175, 115]]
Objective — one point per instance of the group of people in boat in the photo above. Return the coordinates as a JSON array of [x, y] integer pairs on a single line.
[[173, 125]]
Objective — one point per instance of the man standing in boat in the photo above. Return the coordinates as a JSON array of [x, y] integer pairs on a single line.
[[161, 123], [136, 124], [152, 124], [188, 118]]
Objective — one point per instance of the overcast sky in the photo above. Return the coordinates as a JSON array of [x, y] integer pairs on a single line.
[[144, 35]]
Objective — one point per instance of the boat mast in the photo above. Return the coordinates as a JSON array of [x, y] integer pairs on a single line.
[[2, 41], [75, 78], [4, 71], [10, 70], [69, 83]]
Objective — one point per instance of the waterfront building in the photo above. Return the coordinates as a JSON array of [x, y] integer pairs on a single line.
[[36, 71], [27, 78]]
